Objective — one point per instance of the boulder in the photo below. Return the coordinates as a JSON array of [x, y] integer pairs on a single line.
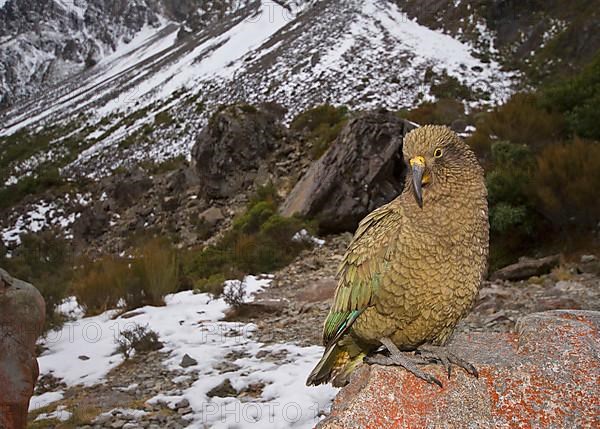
[[527, 267], [232, 148], [362, 170], [547, 374], [22, 315]]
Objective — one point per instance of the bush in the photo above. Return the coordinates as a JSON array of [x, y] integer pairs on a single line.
[[577, 99], [513, 220], [235, 293], [44, 260], [446, 86], [144, 279], [520, 120], [260, 241], [440, 112], [157, 265], [100, 285], [323, 124], [566, 183], [213, 285], [163, 118], [139, 339]]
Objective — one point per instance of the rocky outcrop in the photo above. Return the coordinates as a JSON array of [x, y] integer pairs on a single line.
[[545, 375], [527, 267], [362, 170], [22, 314], [231, 151]]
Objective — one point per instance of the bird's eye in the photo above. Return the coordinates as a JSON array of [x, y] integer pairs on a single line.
[[437, 153]]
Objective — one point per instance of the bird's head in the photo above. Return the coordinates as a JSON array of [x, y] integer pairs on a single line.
[[438, 160]]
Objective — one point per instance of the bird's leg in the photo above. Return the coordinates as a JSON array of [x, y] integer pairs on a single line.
[[396, 357], [447, 358]]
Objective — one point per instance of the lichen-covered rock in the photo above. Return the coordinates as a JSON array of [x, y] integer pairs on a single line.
[[546, 375], [22, 313], [362, 170]]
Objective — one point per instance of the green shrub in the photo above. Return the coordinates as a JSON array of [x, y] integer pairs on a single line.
[[578, 99], [323, 124], [567, 182], [44, 260], [163, 119], [260, 241], [446, 86], [214, 285], [513, 220]]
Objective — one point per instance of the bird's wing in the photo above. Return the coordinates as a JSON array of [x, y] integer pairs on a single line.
[[361, 271]]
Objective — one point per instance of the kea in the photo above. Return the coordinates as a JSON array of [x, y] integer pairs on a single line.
[[413, 267]]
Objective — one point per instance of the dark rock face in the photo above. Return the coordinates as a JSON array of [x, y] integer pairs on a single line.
[[229, 155], [362, 170], [545, 375], [527, 267], [22, 314]]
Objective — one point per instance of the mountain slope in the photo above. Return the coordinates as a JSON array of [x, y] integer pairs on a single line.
[[362, 53]]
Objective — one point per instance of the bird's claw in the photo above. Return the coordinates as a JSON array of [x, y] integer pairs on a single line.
[[406, 361], [447, 359]]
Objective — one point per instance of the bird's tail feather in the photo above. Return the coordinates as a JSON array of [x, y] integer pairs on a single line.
[[336, 365]]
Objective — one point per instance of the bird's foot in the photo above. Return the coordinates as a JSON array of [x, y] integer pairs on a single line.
[[405, 360], [445, 357]]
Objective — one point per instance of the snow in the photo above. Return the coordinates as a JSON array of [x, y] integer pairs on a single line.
[[60, 414], [303, 235], [40, 401], [192, 324], [40, 216]]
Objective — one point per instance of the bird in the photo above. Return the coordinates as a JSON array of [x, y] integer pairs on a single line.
[[414, 266]]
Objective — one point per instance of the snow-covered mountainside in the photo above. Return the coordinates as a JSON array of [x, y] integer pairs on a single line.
[[362, 53], [42, 43]]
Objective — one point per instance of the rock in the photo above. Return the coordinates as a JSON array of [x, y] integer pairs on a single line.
[[83, 357], [183, 403], [231, 148], [589, 264], [362, 170], [212, 216], [188, 361], [117, 424], [527, 267], [223, 390], [22, 315], [92, 223], [545, 375]]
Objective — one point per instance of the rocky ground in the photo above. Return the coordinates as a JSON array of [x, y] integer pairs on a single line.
[[292, 310]]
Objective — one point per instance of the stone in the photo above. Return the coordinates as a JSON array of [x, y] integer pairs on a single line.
[[117, 424], [589, 264], [223, 390], [362, 170], [231, 148], [547, 374], [183, 403], [526, 268], [22, 315], [212, 216], [188, 361]]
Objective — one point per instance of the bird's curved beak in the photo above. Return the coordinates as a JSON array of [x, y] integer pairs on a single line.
[[419, 177]]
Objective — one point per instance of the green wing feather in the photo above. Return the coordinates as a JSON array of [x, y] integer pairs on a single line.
[[359, 274]]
